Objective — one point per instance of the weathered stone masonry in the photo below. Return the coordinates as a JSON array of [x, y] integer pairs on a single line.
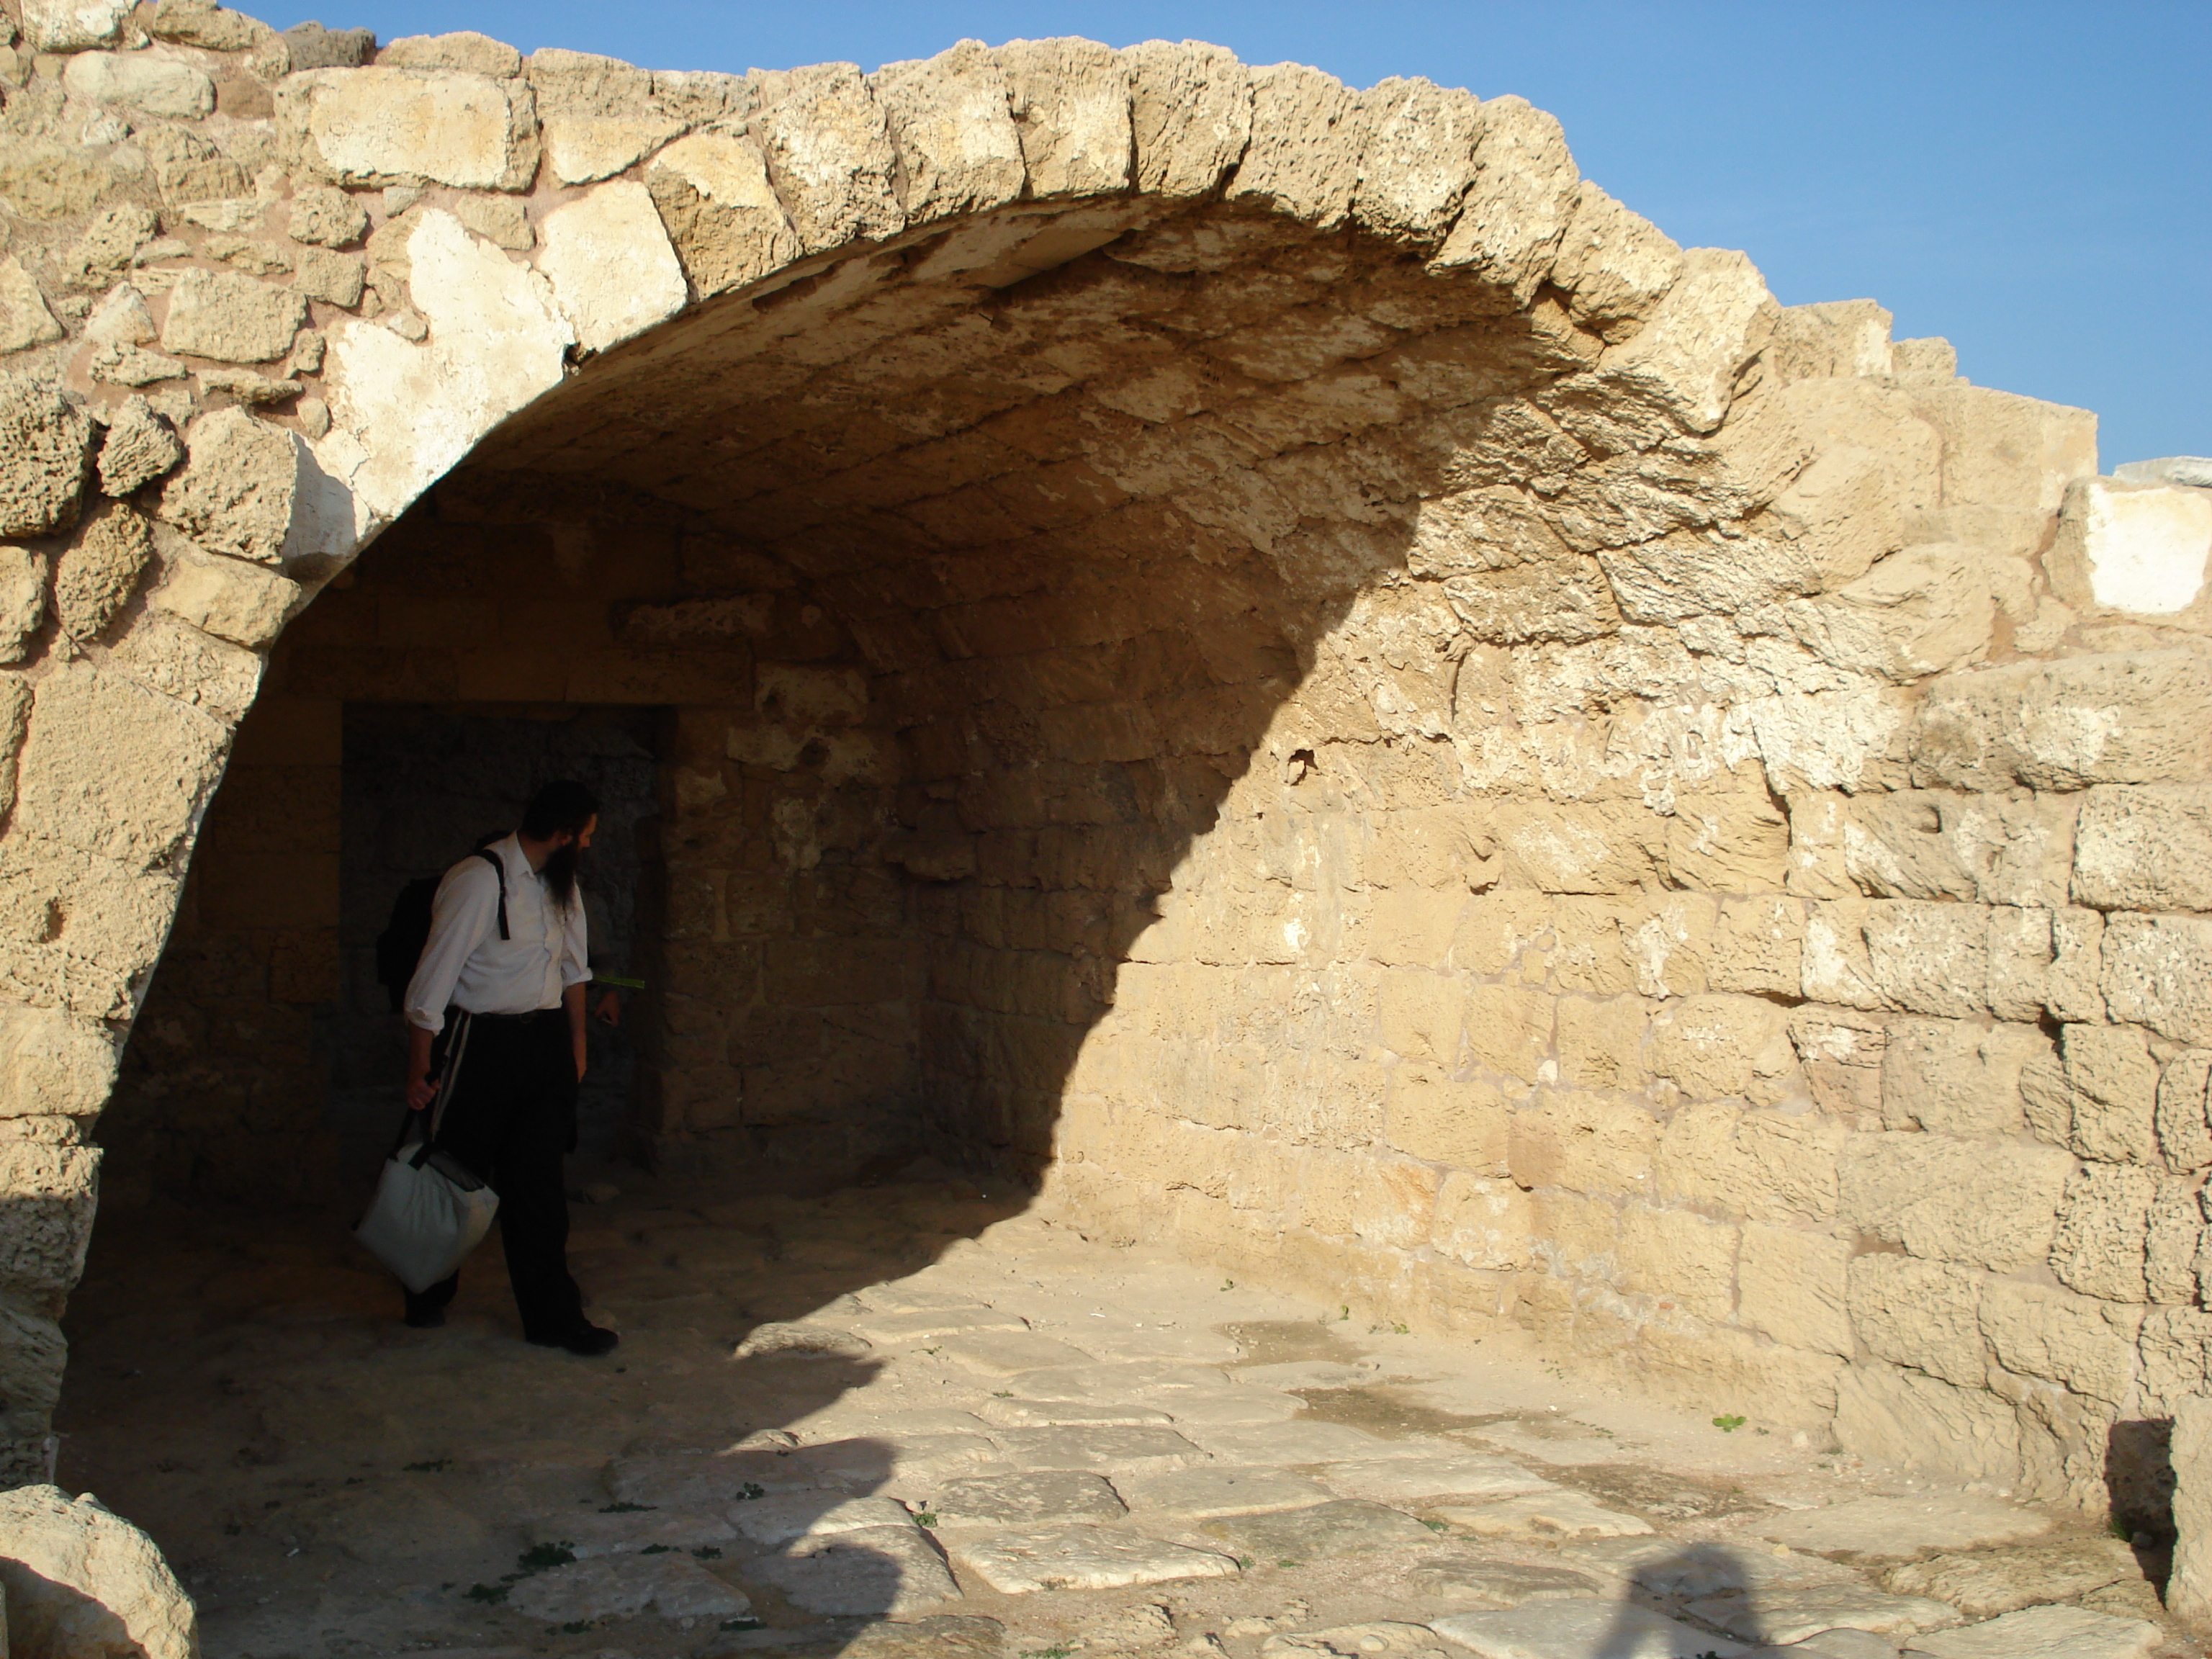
[[1261, 655]]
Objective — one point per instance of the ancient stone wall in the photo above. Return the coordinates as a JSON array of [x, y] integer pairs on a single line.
[[1262, 656]]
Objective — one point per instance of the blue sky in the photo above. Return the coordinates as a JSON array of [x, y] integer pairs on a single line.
[[2027, 178]]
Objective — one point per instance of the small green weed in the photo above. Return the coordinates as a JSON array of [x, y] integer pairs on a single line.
[[926, 1518], [657, 1549], [429, 1466], [1244, 1563], [1002, 1393], [2119, 1529], [1288, 1564], [750, 1490], [707, 1553], [1436, 1526], [488, 1592], [1227, 1284], [623, 1508], [742, 1624], [575, 1628], [1048, 1653], [1728, 1424], [1400, 1330]]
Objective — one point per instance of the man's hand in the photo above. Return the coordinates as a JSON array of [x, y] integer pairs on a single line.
[[421, 1087], [420, 1091]]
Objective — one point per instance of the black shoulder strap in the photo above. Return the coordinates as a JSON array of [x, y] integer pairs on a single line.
[[499, 870]]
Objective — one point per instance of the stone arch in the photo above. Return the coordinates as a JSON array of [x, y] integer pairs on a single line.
[[1428, 741]]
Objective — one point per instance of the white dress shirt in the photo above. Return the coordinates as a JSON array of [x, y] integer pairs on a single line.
[[465, 964]]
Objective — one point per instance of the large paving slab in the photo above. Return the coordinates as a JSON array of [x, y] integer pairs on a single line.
[[1445, 1478], [1580, 1629], [1354, 1641], [2002, 1581], [1890, 1528], [619, 1586], [1344, 1526], [787, 1515], [1030, 1495], [1023, 1562], [1009, 1353], [2043, 1633], [919, 1326], [871, 1570], [1307, 1441], [1562, 1512], [1116, 1450], [1777, 1618], [1004, 1410], [588, 1534], [1211, 1492], [1456, 1580]]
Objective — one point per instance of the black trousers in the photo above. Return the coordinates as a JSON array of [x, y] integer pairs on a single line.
[[509, 1113]]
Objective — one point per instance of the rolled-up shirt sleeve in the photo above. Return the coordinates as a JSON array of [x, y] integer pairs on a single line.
[[575, 946], [462, 917]]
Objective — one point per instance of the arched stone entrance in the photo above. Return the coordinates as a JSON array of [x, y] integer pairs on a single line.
[[1260, 657]]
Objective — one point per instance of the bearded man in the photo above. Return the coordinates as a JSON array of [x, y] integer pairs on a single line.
[[495, 1049]]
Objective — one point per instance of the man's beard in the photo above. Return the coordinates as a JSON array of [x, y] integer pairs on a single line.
[[559, 874]]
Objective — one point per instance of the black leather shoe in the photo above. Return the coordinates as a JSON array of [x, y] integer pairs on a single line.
[[424, 1319], [589, 1341]]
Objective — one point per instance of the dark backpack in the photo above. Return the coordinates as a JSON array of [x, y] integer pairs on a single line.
[[399, 946]]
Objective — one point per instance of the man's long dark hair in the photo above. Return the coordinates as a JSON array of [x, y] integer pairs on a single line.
[[564, 806]]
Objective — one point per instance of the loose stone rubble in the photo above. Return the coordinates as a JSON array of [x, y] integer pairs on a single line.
[[1261, 662]]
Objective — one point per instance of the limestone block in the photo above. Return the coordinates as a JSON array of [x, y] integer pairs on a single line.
[[1418, 160], [1393, 1204], [14, 715], [1601, 1044], [2103, 1235], [337, 278], [95, 577], [1712, 322], [1732, 839], [2188, 1592], [1524, 194], [227, 597], [403, 414], [2144, 848], [2039, 1330], [720, 211], [1484, 1223], [1758, 945], [1958, 1078], [80, 1581], [1679, 576], [239, 487], [1585, 1143], [1615, 263], [191, 169], [112, 768], [312, 47], [141, 445], [22, 601], [1717, 1045], [46, 1222], [466, 50], [2176, 1348], [596, 114], [1070, 100], [1920, 611], [1509, 1028], [1956, 1200], [2046, 961], [1678, 1256], [1604, 847], [2183, 1116], [326, 217], [2173, 1242], [948, 116], [1567, 600], [1932, 844], [1841, 1052], [25, 321], [73, 25], [231, 317], [1835, 339], [1873, 468], [829, 155], [384, 126], [46, 450], [1927, 958], [2139, 717], [1847, 738], [1461, 1125], [613, 270], [1190, 112], [2004, 451], [2154, 973], [2110, 1098], [1922, 1314], [2137, 547], [1765, 1166], [1793, 1285], [1308, 130], [52, 1064], [160, 87]]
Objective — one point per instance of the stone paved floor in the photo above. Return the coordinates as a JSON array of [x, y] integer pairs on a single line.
[[902, 1420]]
